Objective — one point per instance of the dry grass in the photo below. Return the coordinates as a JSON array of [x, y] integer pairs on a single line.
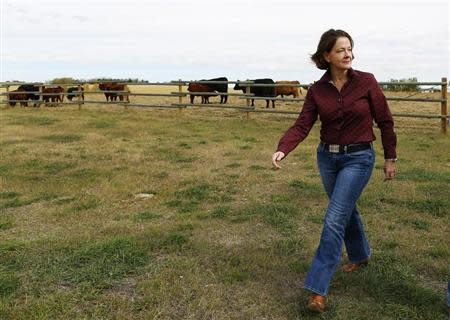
[[223, 237]]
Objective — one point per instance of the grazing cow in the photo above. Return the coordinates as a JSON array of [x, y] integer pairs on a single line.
[[30, 88], [260, 91], [18, 97], [200, 87], [113, 86], [71, 95], [220, 88], [53, 94], [287, 90]]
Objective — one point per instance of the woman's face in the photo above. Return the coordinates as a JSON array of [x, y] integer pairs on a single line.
[[340, 57]]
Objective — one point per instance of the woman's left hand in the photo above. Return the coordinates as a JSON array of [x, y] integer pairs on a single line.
[[389, 170]]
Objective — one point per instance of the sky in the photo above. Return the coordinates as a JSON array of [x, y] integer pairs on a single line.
[[200, 39]]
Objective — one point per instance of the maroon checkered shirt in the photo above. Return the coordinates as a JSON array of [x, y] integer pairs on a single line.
[[346, 116]]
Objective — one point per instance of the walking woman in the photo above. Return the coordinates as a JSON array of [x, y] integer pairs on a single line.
[[347, 101]]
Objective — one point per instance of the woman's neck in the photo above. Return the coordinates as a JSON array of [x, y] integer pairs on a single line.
[[339, 75]]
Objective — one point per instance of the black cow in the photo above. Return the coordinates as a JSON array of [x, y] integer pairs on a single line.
[[220, 88], [71, 95], [30, 88], [260, 91]]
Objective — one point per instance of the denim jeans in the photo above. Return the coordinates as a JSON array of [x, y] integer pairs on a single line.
[[344, 177], [448, 293]]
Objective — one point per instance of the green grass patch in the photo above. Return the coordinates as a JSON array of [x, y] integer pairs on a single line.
[[389, 282], [289, 246], [305, 189], [9, 194], [278, 215], [86, 203], [234, 269], [435, 206], [422, 175], [9, 283], [33, 120], [280, 198], [57, 167], [14, 203], [300, 266], [100, 263], [102, 124], [220, 212], [146, 215], [256, 167], [62, 138], [184, 145], [420, 224], [388, 244], [233, 165], [250, 139], [5, 224], [176, 240], [439, 251], [315, 218]]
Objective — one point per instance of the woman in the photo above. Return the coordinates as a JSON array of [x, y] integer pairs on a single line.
[[347, 102]]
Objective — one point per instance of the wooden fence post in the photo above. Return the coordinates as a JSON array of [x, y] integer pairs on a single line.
[[247, 91], [7, 96], [126, 98], [79, 96], [41, 97], [444, 106], [180, 98]]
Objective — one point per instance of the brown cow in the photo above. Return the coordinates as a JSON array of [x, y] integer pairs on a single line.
[[18, 96], [286, 90], [201, 87], [114, 86], [53, 94]]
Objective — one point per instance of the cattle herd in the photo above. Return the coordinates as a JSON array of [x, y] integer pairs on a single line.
[[207, 90], [52, 95], [55, 94]]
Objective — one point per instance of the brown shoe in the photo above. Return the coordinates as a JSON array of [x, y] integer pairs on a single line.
[[317, 303], [350, 267]]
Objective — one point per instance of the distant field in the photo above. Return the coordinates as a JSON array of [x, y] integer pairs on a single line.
[[219, 234]]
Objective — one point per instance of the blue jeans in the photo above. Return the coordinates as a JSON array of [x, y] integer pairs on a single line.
[[344, 177], [448, 293]]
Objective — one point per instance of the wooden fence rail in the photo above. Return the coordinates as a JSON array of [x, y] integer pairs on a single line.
[[444, 116]]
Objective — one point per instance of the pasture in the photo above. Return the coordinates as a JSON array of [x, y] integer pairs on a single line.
[[109, 213]]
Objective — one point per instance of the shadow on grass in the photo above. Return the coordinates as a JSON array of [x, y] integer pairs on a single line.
[[391, 283]]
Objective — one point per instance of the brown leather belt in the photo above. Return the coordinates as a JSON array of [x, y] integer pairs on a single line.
[[349, 148]]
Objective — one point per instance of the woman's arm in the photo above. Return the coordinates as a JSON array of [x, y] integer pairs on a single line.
[[299, 131]]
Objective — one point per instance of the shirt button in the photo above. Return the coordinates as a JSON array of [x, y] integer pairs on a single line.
[[339, 100]]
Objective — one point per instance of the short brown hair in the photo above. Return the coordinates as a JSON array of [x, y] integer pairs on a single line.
[[326, 43]]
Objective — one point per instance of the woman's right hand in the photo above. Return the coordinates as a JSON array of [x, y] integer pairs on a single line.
[[276, 158]]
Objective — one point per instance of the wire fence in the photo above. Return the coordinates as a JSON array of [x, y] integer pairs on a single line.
[[121, 96]]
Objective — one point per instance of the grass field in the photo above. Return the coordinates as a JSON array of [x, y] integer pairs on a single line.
[[218, 233]]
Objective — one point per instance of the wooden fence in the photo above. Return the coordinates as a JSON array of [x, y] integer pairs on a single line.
[[247, 96]]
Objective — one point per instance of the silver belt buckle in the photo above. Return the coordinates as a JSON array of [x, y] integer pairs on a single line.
[[333, 148]]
